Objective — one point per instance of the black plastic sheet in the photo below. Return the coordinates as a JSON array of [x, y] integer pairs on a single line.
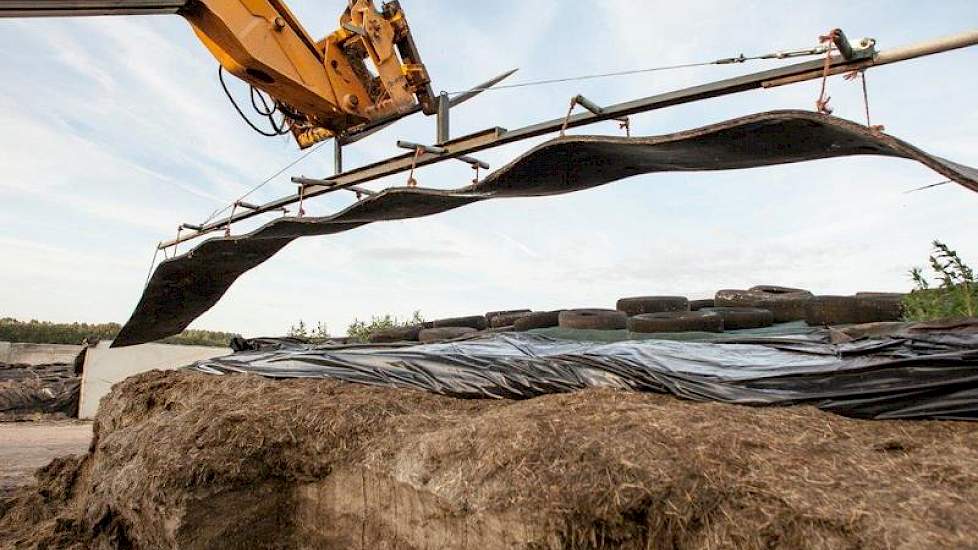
[[184, 287], [911, 374]]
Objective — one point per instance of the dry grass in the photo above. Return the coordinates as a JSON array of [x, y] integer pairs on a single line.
[[592, 469]]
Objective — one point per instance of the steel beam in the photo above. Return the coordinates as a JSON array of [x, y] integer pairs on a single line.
[[495, 137], [75, 8]]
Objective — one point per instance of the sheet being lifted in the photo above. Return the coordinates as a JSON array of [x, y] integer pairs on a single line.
[[184, 287], [922, 372]]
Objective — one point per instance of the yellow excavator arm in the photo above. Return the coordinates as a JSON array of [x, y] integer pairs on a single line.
[[322, 88]]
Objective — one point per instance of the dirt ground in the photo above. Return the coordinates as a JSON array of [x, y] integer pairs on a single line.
[[26, 446], [188, 460]]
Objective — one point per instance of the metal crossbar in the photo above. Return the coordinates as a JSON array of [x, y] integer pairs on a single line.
[[495, 137]]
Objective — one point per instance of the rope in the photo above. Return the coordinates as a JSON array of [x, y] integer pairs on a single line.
[[302, 196], [822, 103], [176, 243], [152, 263], [227, 228], [861, 74], [411, 182], [570, 109]]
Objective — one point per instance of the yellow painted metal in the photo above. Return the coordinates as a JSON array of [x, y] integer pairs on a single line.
[[327, 82]]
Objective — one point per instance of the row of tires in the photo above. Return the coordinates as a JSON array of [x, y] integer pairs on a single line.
[[730, 309]]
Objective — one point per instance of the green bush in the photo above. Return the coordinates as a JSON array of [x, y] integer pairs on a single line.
[[318, 334], [956, 294], [44, 332], [360, 330]]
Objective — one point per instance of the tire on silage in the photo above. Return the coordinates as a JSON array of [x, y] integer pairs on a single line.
[[740, 318], [477, 322], [394, 334], [832, 310], [592, 319], [879, 307], [676, 321], [537, 319], [786, 306], [432, 335], [652, 304], [507, 319]]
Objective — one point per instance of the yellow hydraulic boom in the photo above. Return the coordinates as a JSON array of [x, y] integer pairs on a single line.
[[321, 88]]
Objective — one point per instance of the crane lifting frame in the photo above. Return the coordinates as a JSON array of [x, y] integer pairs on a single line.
[[448, 149]]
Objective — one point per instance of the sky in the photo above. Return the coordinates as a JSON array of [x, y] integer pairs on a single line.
[[116, 131]]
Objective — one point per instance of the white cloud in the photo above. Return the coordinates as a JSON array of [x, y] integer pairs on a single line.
[[118, 131]]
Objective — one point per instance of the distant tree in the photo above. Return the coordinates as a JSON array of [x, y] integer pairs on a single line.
[[301, 330], [360, 330], [44, 332]]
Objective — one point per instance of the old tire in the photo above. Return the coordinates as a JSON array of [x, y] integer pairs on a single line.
[[696, 305], [507, 319], [477, 322], [786, 306], [676, 321], [879, 307], [832, 310], [592, 319], [739, 318], [774, 289], [537, 319], [652, 304], [394, 334], [491, 314], [431, 335]]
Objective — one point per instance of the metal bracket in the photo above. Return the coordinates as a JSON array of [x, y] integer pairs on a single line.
[[863, 48], [306, 182], [595, 109], [437, 150], [444, 108]]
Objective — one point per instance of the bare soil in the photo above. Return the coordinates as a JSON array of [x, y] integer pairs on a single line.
[[26, 446], [188, 460]]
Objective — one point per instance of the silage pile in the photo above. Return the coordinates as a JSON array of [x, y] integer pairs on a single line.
[[187, 460], [29, 391]]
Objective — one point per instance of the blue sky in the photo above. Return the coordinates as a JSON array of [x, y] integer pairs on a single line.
[[116, 130]]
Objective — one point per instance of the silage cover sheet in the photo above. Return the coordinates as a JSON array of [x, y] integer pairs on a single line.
[[909, 374]]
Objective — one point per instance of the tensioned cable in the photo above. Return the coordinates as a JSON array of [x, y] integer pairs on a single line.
[[582, 77], [944, 182], [785, 54], [298, 159]]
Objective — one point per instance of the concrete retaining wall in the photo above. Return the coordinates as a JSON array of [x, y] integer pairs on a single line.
[[37, 354], [105, 366]]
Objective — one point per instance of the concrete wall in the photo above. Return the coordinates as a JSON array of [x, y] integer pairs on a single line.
[[104, 366], [37, 354]]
